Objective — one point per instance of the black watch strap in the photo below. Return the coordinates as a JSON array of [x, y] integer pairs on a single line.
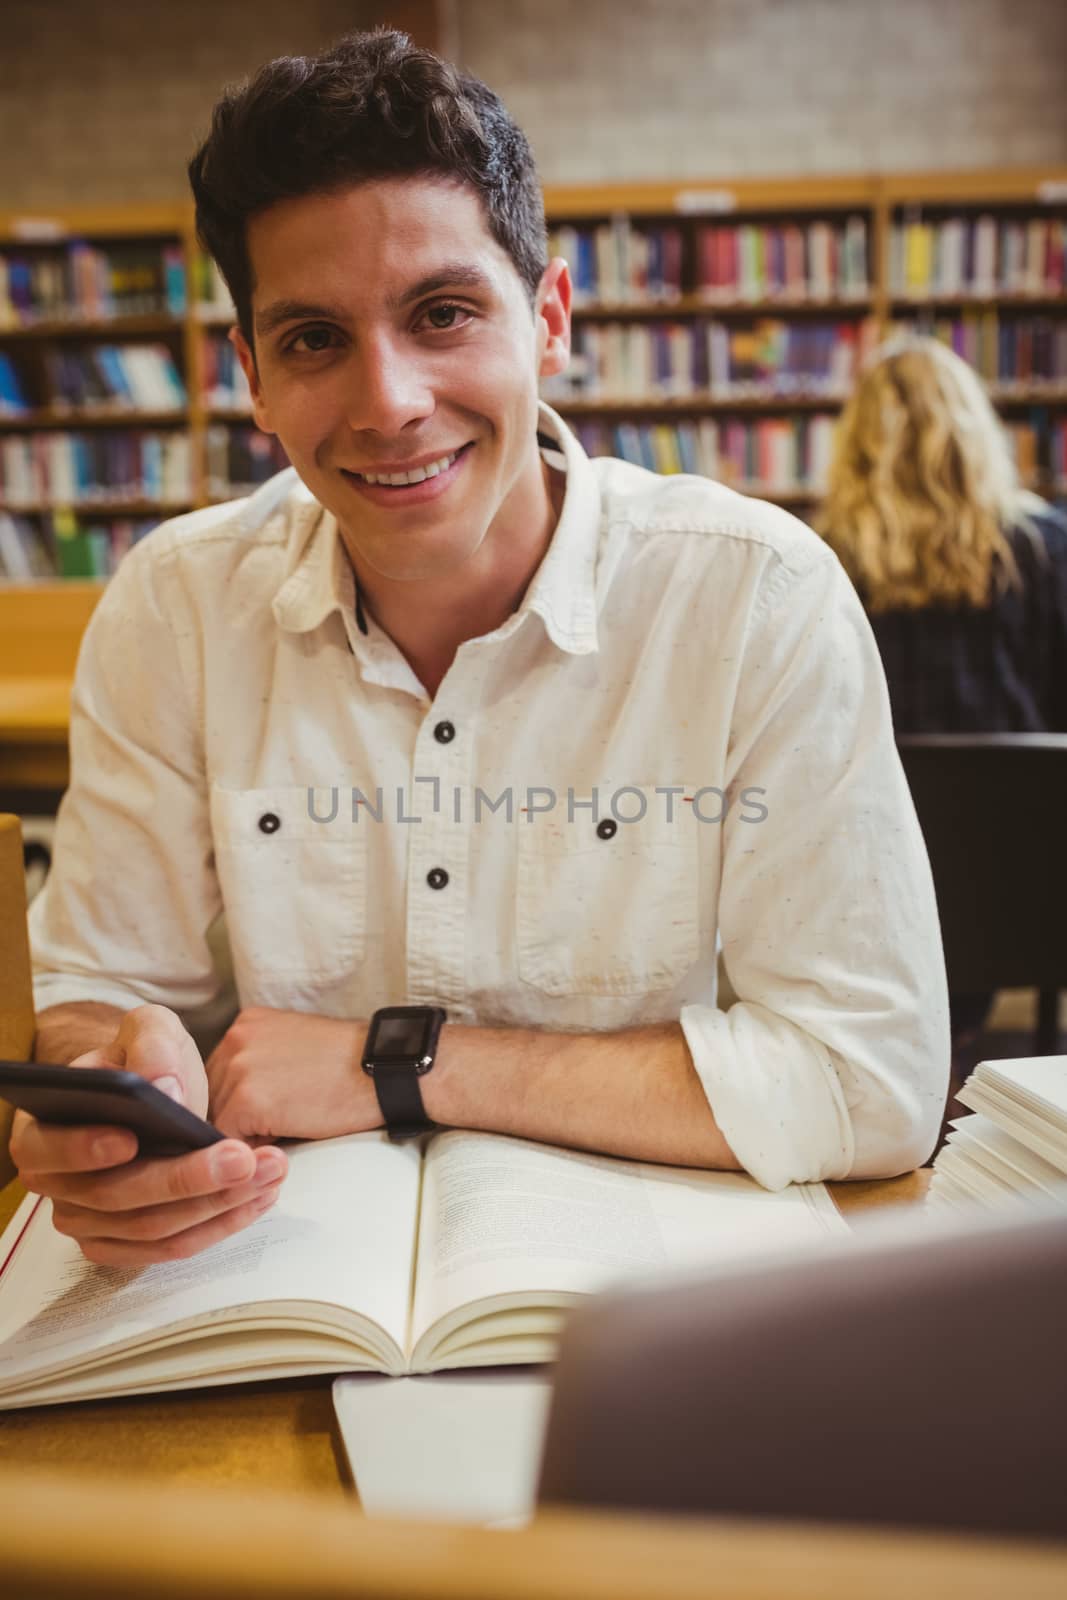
[[399, 1095], [401, 1047]]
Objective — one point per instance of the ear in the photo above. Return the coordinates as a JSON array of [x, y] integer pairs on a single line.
[[248, 362], [552, 308]]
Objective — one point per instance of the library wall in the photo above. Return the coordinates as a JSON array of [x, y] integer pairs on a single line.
[[101, 101], [676, 88]]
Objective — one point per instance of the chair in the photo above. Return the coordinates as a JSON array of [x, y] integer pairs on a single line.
[[914, 1379], [993, 810], [16, 989]]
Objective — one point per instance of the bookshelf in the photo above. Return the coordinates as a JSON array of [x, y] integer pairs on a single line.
[[112, 414], [717, 328]]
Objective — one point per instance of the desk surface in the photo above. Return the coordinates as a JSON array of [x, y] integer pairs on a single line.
[[34, 726], [35, 709], [279, 1435]]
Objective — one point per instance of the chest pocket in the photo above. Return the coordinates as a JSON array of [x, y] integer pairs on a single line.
[[614, 911], [294, 889]]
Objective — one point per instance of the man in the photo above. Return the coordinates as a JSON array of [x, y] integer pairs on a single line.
[[626, 712]]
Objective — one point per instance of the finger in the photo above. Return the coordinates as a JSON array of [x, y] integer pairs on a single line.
[[129, 1253], [159, 1048], [147, 1224], [39, 1148], [113, 1056], [162, 1182]]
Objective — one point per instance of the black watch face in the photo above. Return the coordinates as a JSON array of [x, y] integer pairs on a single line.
[[398, 1037]]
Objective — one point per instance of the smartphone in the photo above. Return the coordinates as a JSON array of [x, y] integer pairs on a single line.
[[90, 1096]]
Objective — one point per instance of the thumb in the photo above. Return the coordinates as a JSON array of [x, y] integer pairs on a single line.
[[111, 1055], [171, 1086], [115, 1056], [162, 1052]]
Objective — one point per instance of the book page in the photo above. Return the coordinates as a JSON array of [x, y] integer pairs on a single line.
[[1039, 1083], [1032, 1128], [341, 1236], [506, 1216], [976, 1138]]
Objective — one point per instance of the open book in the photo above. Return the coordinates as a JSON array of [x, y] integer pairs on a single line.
[[465, 1251]]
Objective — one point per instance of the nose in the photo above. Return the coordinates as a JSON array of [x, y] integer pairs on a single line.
[[388, 389]]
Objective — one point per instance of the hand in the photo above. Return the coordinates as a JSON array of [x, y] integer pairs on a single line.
[[285, 1074], [127, 1212]]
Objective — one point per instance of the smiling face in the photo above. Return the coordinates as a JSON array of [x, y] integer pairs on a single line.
[[397, 360]]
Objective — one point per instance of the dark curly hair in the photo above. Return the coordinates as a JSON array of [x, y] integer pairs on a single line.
[[371, 106]]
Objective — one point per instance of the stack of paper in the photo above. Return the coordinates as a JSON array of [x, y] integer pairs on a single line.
[[1014, 1150]]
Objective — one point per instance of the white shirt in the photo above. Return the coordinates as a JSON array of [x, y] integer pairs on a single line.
[[677, 636]]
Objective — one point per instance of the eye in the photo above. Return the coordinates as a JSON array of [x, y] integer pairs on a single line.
[[311, 341], [446, 316]]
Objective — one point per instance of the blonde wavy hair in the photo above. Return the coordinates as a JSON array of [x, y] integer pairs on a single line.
[[922, 486]]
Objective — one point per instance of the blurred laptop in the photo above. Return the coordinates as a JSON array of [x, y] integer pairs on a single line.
[[918, 1379]]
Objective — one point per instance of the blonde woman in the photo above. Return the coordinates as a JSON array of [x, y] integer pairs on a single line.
[[963, 575]]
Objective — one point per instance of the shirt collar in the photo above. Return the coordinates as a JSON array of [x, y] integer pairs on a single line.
[[562, 591]]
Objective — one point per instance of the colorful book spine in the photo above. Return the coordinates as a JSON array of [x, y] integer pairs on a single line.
[[14, 401], [108, 377], [981, 256], [225, 384], [788, 262], [42, 470], [766, 455], [768, 358], [240, 458], [1015, 355], [211, 296], [79, 281], [621, 262], [66, 545]]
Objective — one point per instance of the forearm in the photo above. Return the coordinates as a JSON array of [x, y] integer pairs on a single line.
[[67, 1031], [634, 1093]]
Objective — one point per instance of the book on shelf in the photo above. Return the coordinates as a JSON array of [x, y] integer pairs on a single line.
[[24, 552], [621, 261], [394, 1258], [980, 255], [14, 401], [140, 377], [770, 456], [211, 296], [77, 281], [66, 545], [70, 469], [1013, 1150], [773, 358], [1011, 353], [797, 261], [225, 386], [767, 358], [240, 458]]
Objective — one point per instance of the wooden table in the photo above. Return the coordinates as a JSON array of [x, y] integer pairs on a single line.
[[41, 628], [178, 1497], [34, 723], [280, 1435]]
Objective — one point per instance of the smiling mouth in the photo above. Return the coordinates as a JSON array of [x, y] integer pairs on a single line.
[[402, 480]]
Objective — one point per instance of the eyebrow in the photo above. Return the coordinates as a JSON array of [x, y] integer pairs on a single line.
[[452, 275]]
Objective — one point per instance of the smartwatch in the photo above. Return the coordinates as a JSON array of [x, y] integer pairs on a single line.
[[400, 1049]]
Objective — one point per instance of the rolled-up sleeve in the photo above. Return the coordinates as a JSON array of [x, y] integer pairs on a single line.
[[834, 1061], [124, 913]]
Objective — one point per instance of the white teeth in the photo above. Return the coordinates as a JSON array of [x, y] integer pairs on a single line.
[[396, 480]]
